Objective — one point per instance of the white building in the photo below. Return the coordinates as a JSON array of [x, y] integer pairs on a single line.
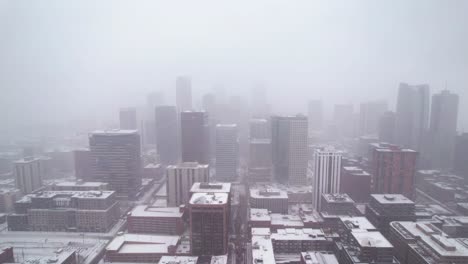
[[327, 168], [180, 179], [28, 174], [227, 152]]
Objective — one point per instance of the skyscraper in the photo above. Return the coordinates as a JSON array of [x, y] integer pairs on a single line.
[[289, 148], [209, 223], [442, 130], [369, 116], [315, 108], [227, 152], [195, 137], [180, 179], [183, 93], [153, 100], [28, 174], [83, 164], [327, 173], [412, 115], [393, 169], [387, 127], [128, 118], [259, 129], [116, 156], [460, 163], [166, 134]]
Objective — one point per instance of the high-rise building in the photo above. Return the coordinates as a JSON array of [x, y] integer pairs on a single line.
[[327, 173], [260, 160], [83, 164], [195, 137], [260, 107], [387, 127], [393, 169], [369, 116], [412, 115], [128, 118], [289, 148], [259, 129], [355, 182], [116, 156], [28, 174], [227, 152], [442, 131], [183, 93], [180, 179], [209, 223], [315, 108], [460, 163], [166, 134], [153, 100]]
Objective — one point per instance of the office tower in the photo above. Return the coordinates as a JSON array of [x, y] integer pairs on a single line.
[[412, 115], [146, 219], [83, 164], [259, 129], [289, 148], [327, 173], [195, 137], [180, 179], [28, 174], [209, 105], [227, 152], [355, 182], [153, 100], [183, 93], [387, 127], [166, 134], [369, 117], [386, 208], [260, 160], [116, 156], [343, 119], [460, 163], [442, 131], [423, 242], [128, 118], [209, 223], [315, 108], [393, 169]]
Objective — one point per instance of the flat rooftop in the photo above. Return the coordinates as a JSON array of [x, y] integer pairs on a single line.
[[141, 244], [79, 183], [148, 211], [433, 238], [211, 187], [268, 193], [391, 199], [314, 257], [114, 132], [178, 260], [262, 247], [372, 239], [27, 160], [74, 194], [259, 214], [386, 147], [209, 199], [188, 165], [299, 234], [356, 171], [337, 198], [358, 223], [286, 220]]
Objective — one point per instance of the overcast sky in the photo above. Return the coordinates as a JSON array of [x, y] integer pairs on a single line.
[[67, 60]]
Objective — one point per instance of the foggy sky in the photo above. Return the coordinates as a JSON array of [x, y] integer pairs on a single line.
[[70, 60]]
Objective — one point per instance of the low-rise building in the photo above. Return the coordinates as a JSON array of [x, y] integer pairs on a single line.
[[156, 220], [275, 200], [315, 257], [337, 204]]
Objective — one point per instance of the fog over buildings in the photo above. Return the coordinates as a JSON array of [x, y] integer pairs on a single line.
[[206, 132], [89, 59]]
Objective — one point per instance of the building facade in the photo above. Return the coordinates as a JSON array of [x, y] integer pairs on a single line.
[[327, 173], [183, 93], [167, 134], [227, 152], [128, 118], [180, 179], [28, 174], [195, 137], [116, 156]]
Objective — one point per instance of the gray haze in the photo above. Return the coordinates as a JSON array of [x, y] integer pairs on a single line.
[[62, 61]]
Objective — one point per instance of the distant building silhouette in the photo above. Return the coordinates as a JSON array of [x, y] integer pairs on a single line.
[[183, 93], [227, 152], [195, 137], [128, 118], [167, 134]]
